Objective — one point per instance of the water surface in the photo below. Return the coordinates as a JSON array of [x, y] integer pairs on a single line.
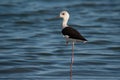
[[33, 48]]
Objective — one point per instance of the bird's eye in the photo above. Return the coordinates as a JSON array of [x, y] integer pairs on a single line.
[[63, 13]]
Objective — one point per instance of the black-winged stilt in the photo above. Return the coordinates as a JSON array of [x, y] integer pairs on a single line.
[[71, 35]]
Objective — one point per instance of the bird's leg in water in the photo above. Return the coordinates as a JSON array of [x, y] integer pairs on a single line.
[[72, 60]]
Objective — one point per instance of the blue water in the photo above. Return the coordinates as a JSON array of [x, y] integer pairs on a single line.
[[32, 47]]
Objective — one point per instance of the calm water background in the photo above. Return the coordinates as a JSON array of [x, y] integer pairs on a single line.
[[32, 47]]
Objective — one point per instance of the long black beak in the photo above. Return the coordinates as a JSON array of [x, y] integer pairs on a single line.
[[55, 18]]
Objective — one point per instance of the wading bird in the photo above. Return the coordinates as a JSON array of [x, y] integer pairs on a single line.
[[71, 35]]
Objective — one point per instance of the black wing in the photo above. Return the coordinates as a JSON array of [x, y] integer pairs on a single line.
[[72, 33]]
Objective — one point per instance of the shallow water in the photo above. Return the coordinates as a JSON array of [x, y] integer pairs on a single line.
[[33, 48]]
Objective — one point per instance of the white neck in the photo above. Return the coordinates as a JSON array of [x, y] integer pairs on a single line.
[[64, 24]]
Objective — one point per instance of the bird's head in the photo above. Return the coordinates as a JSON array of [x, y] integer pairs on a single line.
[[65, 15]]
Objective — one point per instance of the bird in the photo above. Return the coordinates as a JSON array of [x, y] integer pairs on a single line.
[[71, 35]]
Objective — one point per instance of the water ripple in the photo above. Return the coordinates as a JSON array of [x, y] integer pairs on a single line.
[[32, 44]]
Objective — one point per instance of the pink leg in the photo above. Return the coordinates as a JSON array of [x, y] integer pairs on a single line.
[[66, 41], [72, 60]]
